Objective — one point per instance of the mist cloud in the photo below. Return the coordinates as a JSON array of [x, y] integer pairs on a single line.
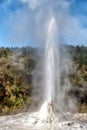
[[34, 4], [30, 23]]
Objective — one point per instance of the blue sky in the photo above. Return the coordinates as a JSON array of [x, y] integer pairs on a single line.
[[23, 22]]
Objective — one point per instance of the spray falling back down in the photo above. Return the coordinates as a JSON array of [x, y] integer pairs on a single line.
[[51, 63], [57, 67]]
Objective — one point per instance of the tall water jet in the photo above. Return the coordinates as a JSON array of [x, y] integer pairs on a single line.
[[52, 61]]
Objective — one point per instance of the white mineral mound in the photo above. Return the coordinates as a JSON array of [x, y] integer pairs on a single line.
[[46, 116], [46, 119]]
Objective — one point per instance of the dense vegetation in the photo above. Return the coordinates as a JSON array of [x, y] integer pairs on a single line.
[[16, 66], [15, 79], [78, 77]]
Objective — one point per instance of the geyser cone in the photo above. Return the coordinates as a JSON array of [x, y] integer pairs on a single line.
[[48, 113]]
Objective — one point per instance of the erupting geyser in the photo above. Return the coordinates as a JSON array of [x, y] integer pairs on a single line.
[[47, 118], [51, 53], [48, 112], [50, 67]]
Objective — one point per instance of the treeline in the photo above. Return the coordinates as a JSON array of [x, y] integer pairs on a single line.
[[79, 54], [16, 66], [78, 76]]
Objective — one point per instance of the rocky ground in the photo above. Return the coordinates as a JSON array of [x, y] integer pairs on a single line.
[[45, 119]]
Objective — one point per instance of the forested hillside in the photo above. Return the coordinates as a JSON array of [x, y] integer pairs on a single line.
[[78, 77], [15, 79], [16, 67]]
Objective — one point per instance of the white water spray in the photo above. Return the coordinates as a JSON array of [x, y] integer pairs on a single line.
[[52, 61]]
